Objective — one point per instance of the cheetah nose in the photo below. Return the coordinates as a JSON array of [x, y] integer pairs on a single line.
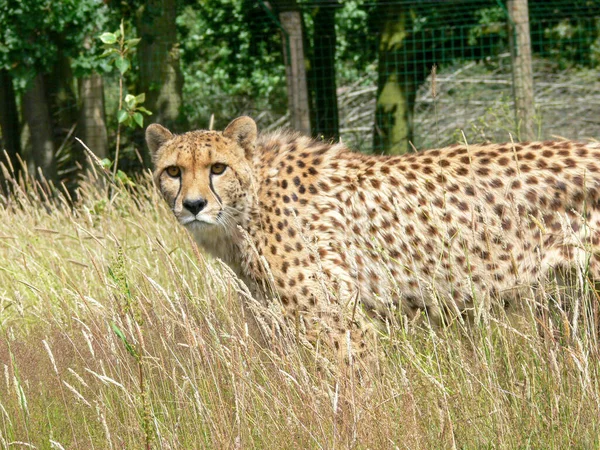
[[194, 206]]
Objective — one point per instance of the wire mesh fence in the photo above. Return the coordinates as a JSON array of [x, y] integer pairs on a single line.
[[390, 95], [384, 76]]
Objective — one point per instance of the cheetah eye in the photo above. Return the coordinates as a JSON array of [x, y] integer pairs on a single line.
[[173, 171], [217, 168]]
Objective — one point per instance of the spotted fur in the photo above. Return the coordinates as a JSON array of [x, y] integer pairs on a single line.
[[441, 231]]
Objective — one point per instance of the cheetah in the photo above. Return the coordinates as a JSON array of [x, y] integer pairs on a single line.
[[343, 239]]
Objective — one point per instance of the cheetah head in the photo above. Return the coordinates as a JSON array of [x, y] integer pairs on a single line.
[[205, 176]]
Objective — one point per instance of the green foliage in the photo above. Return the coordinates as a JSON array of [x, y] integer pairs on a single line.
[[356, 45], [491, 21], [567, 32], [128, 346], [118, 49], [231, 50], [131, 114], [33, 32], [231, 60], [570, 42], [118, 52]]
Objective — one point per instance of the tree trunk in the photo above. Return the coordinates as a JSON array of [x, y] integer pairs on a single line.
[[92, 118], [160, 74], [61, 99], [9, 119], [520, 49], [295, 70], [397, 84], [290, 20], [37, 116], [324, 116]]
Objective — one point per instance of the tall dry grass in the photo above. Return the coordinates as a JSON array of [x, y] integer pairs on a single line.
[[115, 333]]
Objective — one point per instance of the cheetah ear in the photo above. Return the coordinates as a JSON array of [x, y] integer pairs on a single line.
[[157, 135], [243, 131]]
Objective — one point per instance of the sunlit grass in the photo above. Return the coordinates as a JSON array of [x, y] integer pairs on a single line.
[[116, 333]]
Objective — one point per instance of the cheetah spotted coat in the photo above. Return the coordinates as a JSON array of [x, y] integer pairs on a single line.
[[441, 231]]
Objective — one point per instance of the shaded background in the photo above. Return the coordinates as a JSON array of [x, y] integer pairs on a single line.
[[356, 70]]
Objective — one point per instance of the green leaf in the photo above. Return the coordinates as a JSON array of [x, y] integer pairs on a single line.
[[132, 42], [106, 163], [139, 119], [130, 101], [122, 115], [122, 64], [144, 110], [123, 178], [121, 335], [108, 38], [139, 99], [108, 52]]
